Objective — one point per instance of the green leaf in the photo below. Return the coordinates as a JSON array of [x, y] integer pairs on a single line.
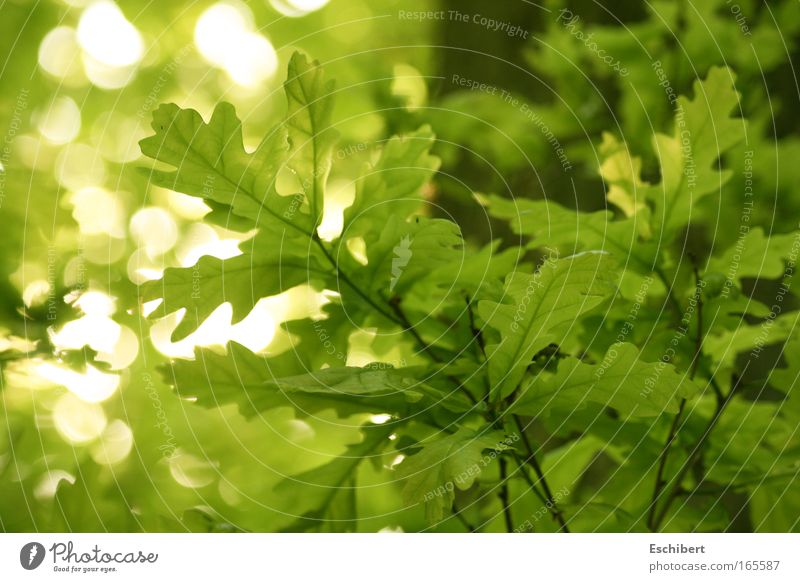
[[440, 466], [270, 268], [211, 163], [477, 275], [407, 251], [569, 231], [256, 383], [308, 121], [703, 132], [371, 380], [621, 173], [621, 381], [754, 255], [540, 310], [320, 493], [238, 377], [726, 346], [393, 185]]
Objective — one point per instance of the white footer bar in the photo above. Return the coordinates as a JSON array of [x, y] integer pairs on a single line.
[[400, 557]]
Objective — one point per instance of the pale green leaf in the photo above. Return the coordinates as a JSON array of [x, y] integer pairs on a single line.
[[268, 269], [211, 163], [308, 121]]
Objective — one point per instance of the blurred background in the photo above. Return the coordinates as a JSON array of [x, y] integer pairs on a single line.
[[92, 439]]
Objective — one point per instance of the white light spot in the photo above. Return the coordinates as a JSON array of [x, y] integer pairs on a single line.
[[380, 418], [107, 76], [224, 35], [251, 60], [36, 292], [124, 352], [154, 229], [358, 249], [79, 166], [409, 85], [117, 137], [148, 307], [190, 471], [299, 431], [228, 493], [201, 240], [339, 195], [107, 36], [96, 303], [188, 207], [93, 386], [98, 211], [114, 445], [60, 121], [77, 421], [214, 331], [255, 332], [219, 27], [59, 55], [48, 485], [297, 8], [142, 267]]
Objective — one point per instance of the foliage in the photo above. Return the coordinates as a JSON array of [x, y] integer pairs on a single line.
[[572, 298]]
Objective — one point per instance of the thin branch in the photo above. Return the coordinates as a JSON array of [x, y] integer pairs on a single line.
[[678, 479], [476, 333], [540, 474], [698, 340], [426, 347], [410, 328], [673, 301], [503, 494], [458, 515], [531, 483], [673, 430], [341, 275]]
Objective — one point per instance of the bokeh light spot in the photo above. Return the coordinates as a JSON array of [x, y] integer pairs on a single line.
[[77, 421]]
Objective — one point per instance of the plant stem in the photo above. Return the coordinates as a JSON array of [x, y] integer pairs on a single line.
[[409, 327], [476, 333], [678, 479], [341, 275], [533, 462], [673, 430], [698, 339], [673, 301], [457, 513], [523, 466], [503, 494], [399, 317]]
